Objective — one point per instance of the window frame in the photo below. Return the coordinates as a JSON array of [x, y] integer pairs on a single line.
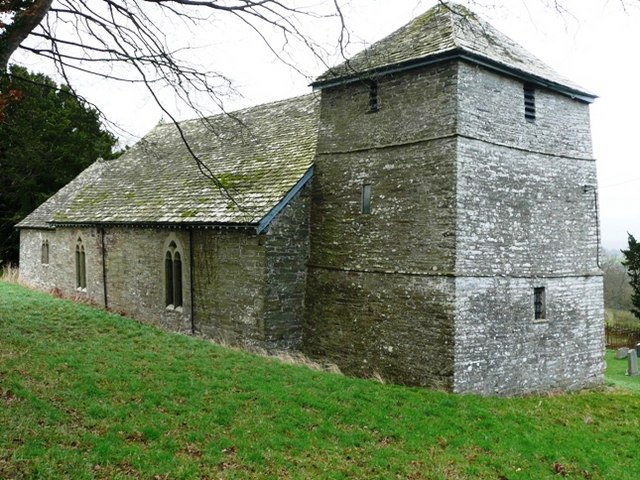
[[81, 266], [540, 304], [44, 253], [365, 199], [374, 98], [173, 276]]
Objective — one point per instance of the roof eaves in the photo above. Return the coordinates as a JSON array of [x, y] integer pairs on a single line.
[[22, 226], [458, 54], [189, 225], [268, 218], [574, 93], [444, 56]]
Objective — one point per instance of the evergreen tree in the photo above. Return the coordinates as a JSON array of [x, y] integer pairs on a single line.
[[632, 262], [47, 137]]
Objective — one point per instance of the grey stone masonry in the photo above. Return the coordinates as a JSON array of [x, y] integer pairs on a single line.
[[379, 293], [526, 218]]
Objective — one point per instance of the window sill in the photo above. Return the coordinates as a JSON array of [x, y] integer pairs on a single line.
[[540, 320]]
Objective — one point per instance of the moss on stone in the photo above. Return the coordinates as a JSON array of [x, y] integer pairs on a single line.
[[189, 213]]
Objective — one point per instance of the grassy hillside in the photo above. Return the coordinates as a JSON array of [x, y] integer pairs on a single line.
[[86, 394]]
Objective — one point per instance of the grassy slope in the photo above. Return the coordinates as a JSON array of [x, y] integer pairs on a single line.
[[85, 394]]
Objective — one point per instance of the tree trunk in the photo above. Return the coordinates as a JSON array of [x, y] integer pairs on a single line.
[[18, 30]]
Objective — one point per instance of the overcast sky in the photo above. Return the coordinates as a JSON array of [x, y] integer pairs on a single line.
[[596, 46]]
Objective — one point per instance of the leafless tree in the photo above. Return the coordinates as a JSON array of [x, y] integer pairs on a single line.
[[98, 36]]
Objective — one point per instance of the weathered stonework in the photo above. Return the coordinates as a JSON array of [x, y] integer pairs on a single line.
[[411, 221], [526, 218], [398, 326], [287, 253], [501, 350], [380, 296], [248, 289]]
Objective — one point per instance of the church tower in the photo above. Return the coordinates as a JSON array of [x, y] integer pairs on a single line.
[[454, 225]]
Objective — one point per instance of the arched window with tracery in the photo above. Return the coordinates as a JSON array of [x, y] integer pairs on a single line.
[[173, 276], [81, 266]]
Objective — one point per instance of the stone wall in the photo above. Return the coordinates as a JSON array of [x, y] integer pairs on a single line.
[[229, 286], [527, 218], [398, 326], [31, 268], [135, 275], [491, 108], [501, 349], [287, 252], [524, 213], [249, 288], [60, 272], [232, 301], [380, 294], [413, 106]]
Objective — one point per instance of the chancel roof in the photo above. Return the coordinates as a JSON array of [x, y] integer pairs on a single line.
[[259, 155], [449, 31]]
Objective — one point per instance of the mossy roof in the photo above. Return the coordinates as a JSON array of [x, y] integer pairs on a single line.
[[445, 31], [259, 155]]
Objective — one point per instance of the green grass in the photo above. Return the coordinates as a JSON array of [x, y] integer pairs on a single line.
[[86, 394], [616, 373]]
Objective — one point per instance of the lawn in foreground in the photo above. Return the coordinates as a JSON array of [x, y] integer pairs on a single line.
[[87, 394]]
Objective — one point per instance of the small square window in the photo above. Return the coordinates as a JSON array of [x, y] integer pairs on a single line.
[[539, 304], [365, 203]]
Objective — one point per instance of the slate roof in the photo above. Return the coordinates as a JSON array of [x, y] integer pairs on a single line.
[[449, 31], [264, 154], [259, 154]]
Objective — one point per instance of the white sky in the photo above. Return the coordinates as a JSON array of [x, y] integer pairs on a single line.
[[597, 48]]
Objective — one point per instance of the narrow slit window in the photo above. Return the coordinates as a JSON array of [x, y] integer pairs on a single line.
[[365, 204], [81, 266], [539, 304], [45, 252], [177, 280], [373, 96], [529, 103], [168, 279]]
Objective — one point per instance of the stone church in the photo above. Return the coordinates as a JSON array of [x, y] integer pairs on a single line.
[[428, 214]]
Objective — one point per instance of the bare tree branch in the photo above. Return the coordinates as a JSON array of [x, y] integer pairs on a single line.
[[102, 37]]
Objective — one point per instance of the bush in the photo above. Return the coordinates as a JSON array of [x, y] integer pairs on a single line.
[[620, 318]]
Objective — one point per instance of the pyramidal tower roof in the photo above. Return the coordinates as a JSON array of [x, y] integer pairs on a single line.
[[445, 32]]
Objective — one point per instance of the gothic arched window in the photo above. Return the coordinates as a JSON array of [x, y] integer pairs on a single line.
[[173, 276]]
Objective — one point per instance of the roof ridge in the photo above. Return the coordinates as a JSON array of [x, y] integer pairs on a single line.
[[444, 32], [244, 110], [157, 182]]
